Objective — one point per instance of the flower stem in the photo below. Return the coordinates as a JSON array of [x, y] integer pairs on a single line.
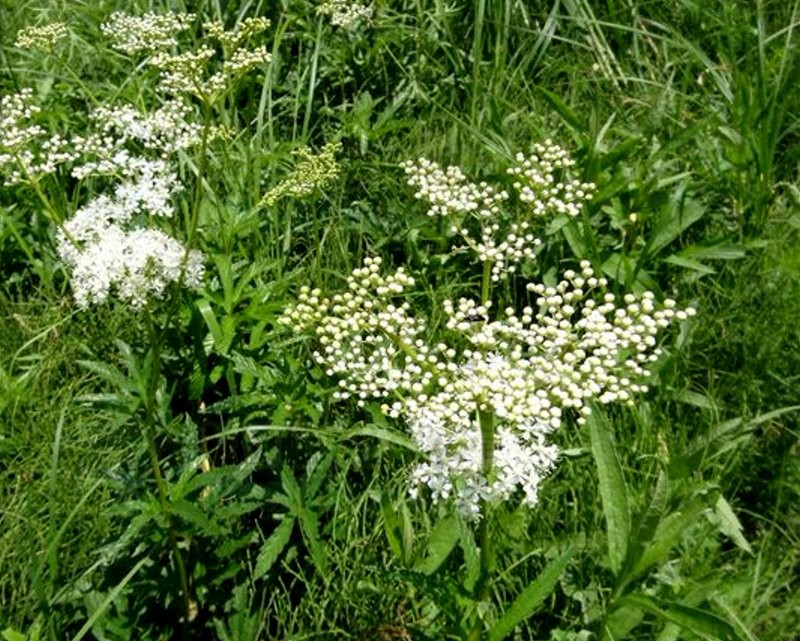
[[486, 422], [486, 282], [161, 483]]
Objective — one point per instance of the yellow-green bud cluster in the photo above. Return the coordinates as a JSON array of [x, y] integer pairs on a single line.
[[312, 172], [43, 38]]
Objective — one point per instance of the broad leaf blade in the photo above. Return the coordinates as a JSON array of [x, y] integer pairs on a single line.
[[613, 491], [443, 539], [703, 623]]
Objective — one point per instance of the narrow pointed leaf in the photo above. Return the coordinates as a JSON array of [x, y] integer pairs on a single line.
[[531, 598], [273, 547], [613, 491], [703, 623]]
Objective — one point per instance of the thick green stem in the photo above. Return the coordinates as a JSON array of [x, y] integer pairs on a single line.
[[486, 281], [161, 483], [486, 422]]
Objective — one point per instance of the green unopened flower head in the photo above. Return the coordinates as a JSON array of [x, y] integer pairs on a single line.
[[44, 37], [311, 172]]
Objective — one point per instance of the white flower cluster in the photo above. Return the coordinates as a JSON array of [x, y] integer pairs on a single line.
[[149, 33], [167, 130], [232, 39], [344, 13], [540, 185], [44, 37], [27, 151], [107, 248], [505, 238], [188, 72], [373, 345], [519, 376], [449, 192]]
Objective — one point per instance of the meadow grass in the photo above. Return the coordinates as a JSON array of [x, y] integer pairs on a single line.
[[185, 472]]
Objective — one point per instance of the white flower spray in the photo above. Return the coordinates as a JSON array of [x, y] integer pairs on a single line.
[[524, 373], [482, 404], [115, 244]]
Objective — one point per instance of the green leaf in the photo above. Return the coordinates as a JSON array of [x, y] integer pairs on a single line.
[[109, 599], [729, 524], [675, 218], [273, 546], [442, 540], [190, 513], [720, 439], [398, 528], [561, 108], [309, 526], [689, 263], [292, 489], [700, 622], [668, 534], [390, 436], [613, 490], [531, 598], [472, 559], [220, 338], [620, 622]]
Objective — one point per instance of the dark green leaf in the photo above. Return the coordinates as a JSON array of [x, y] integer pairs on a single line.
[[272, 547]]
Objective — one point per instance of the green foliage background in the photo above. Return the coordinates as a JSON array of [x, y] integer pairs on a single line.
[[292, 510]]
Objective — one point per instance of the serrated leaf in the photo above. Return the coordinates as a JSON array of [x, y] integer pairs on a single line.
[[729, 524], [613, 490], [531, 598], [292, 489], [194, 515], [309, 526], [273, 547], [441, 543]]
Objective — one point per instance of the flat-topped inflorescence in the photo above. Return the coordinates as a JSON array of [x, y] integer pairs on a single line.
[[527, 373], [149, 33], [544, 183], [200, 71]]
